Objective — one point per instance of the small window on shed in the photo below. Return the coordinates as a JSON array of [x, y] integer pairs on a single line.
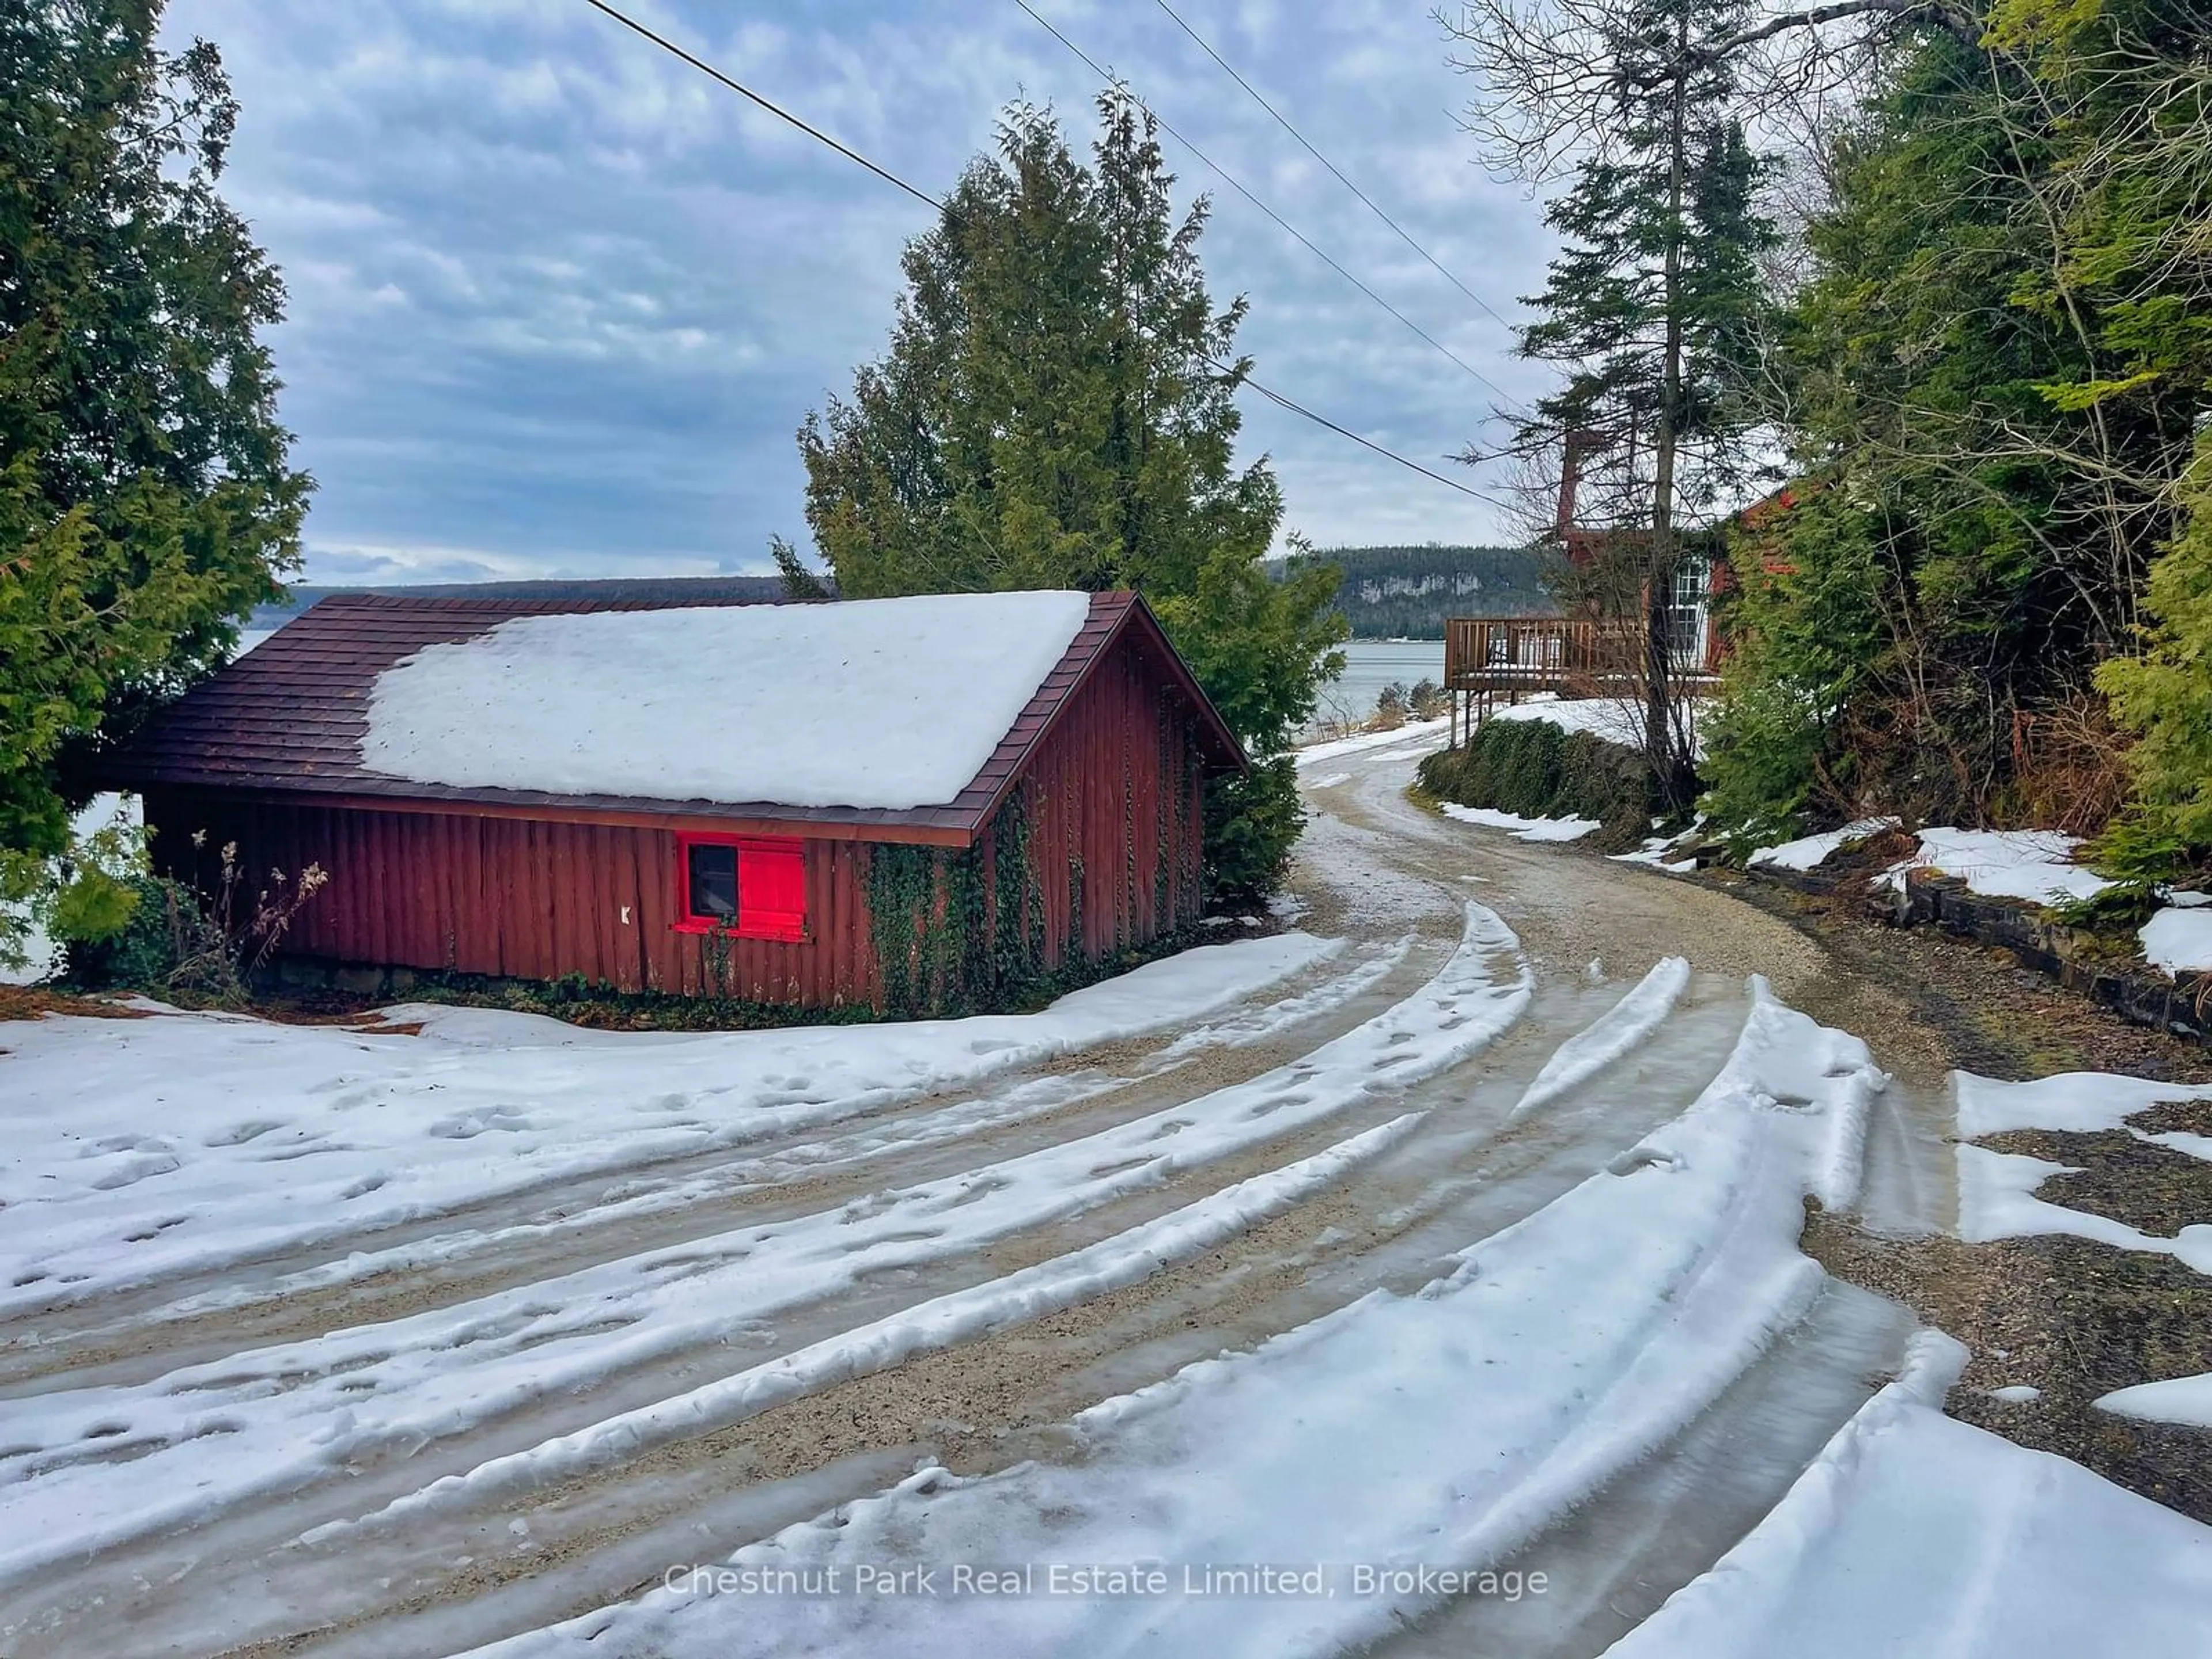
[[712, 872], [752, 886]]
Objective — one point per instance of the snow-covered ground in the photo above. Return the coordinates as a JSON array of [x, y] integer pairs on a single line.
[[1998, 1190], [1409, 1262], [2179, 939], [1616, 720], [1998, 1201], [136, 1149], [1809, 851], [2028, 864]]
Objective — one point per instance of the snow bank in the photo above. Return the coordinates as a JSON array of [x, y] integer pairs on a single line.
[[1915, 1533], [1808, 852], [1522, 829], [1446, 1428], [1616, 720], [2025, 864], [2179, 939], [869, 703], [2178, 1400], [138, 1150]]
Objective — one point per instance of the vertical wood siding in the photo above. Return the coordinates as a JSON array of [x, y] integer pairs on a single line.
[[1118, 863], [1113, 796], [519, 898]]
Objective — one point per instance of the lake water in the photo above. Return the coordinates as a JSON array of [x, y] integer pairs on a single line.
[[1371, 665]]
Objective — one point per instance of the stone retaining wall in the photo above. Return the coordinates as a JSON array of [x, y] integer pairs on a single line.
[[2069, 955]]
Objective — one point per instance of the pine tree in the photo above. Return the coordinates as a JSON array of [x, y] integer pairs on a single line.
[[145, 500], [1057, 409], [1653, 304], [2166, 696]]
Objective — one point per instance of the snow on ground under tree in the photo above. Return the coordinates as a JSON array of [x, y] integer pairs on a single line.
[[136, 1149], [892, 703], [1809, 851], [1520, 829], [2027, 863], [2038, 864], [2179, 939]]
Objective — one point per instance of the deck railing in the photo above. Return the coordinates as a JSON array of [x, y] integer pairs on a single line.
[[1538, 653]]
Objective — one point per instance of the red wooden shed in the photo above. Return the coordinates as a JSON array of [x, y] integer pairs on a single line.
[[910, 804]]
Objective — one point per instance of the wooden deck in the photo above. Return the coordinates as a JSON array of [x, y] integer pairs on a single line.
[[1487, 655], [1488, 660]]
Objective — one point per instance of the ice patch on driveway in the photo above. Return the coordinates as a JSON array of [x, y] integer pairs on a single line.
[[1915, 1533]]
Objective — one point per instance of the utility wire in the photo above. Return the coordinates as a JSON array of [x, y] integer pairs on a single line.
[[1283, 121], [1231, 180], [1281, 401], [709, 71], [923, 196]]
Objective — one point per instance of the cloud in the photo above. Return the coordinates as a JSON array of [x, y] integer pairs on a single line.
[[557, 302]]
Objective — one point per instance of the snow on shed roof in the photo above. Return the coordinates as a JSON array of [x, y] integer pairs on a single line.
[[892, 703], [289, 718]]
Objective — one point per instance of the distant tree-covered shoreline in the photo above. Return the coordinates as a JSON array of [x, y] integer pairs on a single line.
[[1407, 592]]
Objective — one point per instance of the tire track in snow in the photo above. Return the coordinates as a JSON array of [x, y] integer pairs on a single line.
[[207, 1438], [438, 1267], [1559, 1352], [959, 1316], [1618, 1032], [384, 1132]]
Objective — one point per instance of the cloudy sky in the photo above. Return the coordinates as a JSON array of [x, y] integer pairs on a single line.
[[558, 302]]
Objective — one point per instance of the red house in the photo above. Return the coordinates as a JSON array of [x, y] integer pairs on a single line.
[[909, 803]]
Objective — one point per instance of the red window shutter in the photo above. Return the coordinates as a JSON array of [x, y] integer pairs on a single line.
[[771, 890]]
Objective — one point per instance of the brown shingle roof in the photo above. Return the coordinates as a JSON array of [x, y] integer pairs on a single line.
[[288, 716]]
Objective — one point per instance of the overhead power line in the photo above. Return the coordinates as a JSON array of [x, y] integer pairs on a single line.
[[1234, 183], [1281, 401], [1284, 121], [776, 110], [923, 196]]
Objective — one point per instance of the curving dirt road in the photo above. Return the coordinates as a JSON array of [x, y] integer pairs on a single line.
[[1354, 1129]]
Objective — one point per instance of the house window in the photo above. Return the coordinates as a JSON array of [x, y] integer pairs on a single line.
[[749, 886], [1686, 613]]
